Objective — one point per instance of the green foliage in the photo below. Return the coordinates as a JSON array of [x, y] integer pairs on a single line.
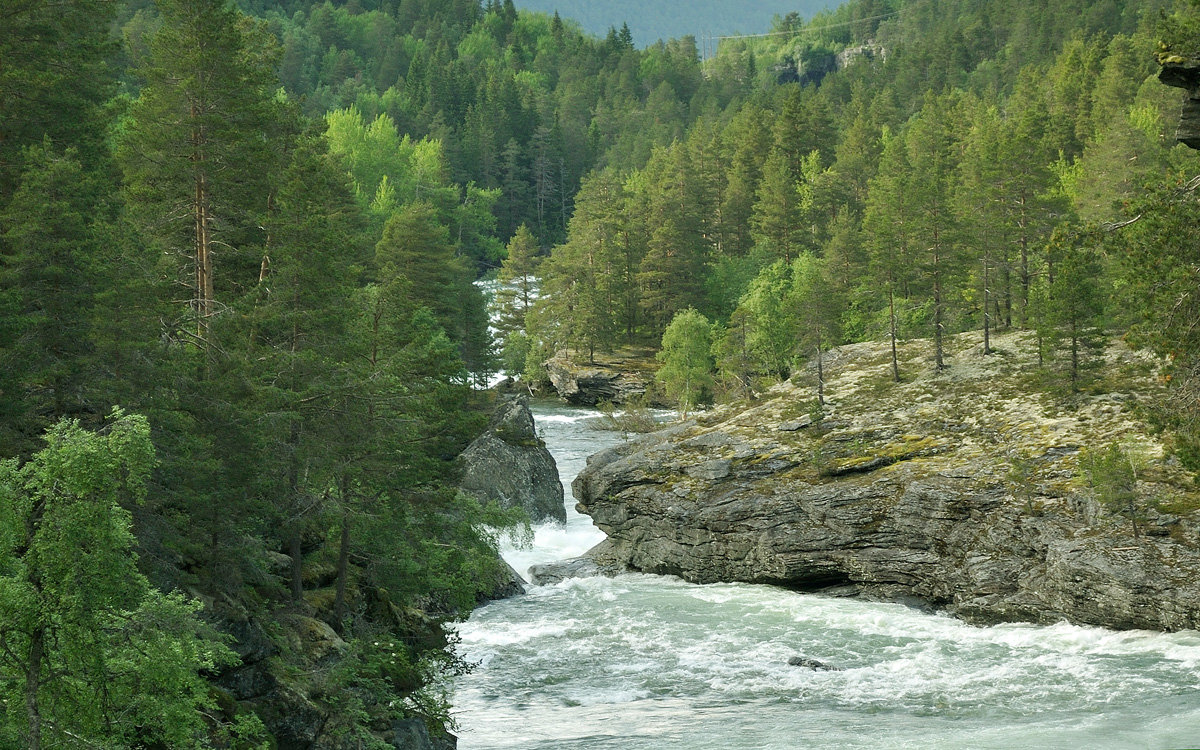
[[1112, 472], [770, 341], [631, 417], [687, 365], [194, 150], [817, 309], [514, 297], [93, 653], [48, 285], [283, 282], [1070, 318]]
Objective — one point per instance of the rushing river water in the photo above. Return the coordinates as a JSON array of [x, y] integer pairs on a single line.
[[641, 662]]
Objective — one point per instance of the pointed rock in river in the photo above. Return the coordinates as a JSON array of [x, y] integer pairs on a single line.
[[509, 464]]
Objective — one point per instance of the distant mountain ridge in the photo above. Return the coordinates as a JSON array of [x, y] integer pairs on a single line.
[[651, 20]]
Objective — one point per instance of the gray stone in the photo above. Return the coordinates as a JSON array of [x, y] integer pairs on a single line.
[[1185, 75], [598, 561], [796, 424], [413, 734], [718, 468], [813, 664], [508, 584], [924, 515], [510, 465], [588, 386]]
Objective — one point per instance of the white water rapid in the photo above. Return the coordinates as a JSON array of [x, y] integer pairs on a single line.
[[645, 662]]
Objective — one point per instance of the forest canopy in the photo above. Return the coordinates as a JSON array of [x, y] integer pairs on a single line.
[[239, 253]]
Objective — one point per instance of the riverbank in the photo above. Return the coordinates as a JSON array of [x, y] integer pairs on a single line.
[[642, 662], [964, 490]]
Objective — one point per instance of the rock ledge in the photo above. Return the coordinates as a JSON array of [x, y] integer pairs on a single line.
[[960, 490]]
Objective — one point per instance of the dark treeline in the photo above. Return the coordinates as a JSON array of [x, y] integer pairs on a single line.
[[240, 338]]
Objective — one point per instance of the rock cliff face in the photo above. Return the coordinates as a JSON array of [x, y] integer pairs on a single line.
[[588, 386], [1185, 74], [509, 464], [961, 490]]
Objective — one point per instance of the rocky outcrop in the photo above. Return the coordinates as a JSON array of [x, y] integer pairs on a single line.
[[961, 490], [1185, 74], [598, 561], [509, 464], [591, 385]]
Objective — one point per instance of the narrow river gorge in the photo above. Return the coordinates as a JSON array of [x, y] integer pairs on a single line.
[[645, 661]]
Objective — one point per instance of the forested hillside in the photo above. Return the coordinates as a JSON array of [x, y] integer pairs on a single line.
[[898, 170], [670, 19], [241, 346]]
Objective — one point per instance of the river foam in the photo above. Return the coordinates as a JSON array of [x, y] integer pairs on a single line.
[[639, 662]]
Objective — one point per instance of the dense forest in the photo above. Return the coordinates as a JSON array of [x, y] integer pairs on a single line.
[[241, 343], [661, 19]]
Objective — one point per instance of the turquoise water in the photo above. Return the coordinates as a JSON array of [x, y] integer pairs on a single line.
[[651, 662]]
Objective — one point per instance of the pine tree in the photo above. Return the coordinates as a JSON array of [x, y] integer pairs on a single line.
[[417, 246], [779, 210], [980, 205], [888, 227], [584, 277], [816, 308], [54, 82], [50, 272], [1071, 323], [196, 151], [1030, 210], [934, 227], [299, 322], [514, 298]]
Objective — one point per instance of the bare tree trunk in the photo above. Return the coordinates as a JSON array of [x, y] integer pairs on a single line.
[[1022, 223], [820, 374], [33, 678], [987, 316], [892, 331], [296, 549], [202, 240], [343, 561]]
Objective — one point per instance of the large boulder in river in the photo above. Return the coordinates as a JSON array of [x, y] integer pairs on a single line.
[[509, 464], [961, 489]]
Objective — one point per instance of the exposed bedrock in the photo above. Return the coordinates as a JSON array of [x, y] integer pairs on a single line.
[[971, 501], [509, 464]]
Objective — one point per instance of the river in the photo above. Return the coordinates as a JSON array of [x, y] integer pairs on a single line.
[[648, 662]]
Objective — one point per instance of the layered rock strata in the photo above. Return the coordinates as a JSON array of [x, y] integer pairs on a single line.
[[961, 490]]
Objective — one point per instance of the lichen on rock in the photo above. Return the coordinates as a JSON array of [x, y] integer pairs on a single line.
[[510, 465], [961, 489]]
